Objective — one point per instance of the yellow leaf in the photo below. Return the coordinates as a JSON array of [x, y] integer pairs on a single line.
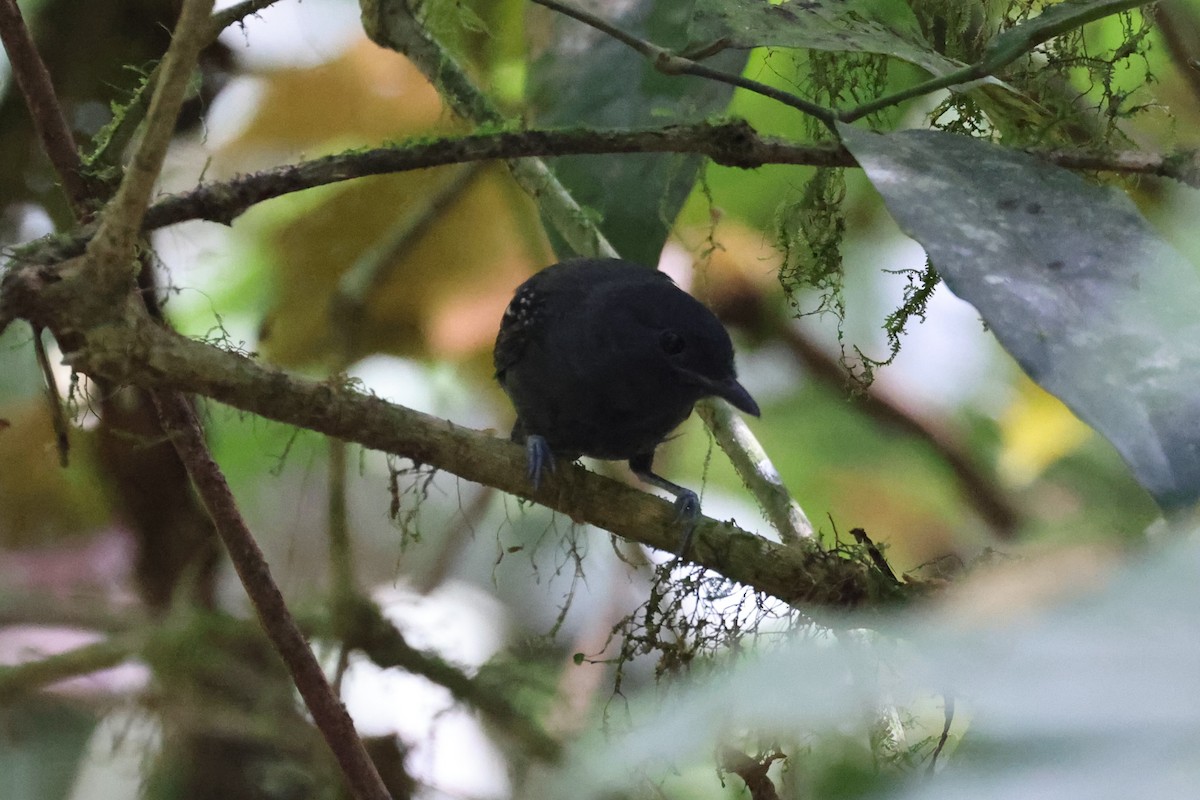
[[365, 96], [1036, 431], [40, 502], [442, 294], [439, 290]]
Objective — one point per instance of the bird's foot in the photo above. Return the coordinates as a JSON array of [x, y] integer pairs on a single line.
[[687, 514], [539, 459]]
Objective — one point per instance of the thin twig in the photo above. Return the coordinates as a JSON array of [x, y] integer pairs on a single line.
[[33, 80], [58, 419], [343, 582], [948, 720], [1006, 49], [180, 423], [454, 536], [757, 472], [50, 123], [38, 674], [874, 553], [341, 556], [671, 64]]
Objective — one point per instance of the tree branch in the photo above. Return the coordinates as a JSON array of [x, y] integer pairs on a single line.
[[749, 458], [732, 143], [34, 675], [135, 350], [180, 423], [361, 281]]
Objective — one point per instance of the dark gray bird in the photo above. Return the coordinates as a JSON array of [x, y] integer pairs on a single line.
[[604, 358]]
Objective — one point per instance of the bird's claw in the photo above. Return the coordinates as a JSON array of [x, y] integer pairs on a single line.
[[687, 513], [539, 458]]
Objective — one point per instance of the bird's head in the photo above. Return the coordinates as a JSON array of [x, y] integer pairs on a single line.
[[671, 328]]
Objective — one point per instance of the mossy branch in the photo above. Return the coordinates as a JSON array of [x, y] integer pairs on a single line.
[[132, 349]]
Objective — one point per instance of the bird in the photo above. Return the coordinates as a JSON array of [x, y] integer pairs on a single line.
[[603, 357]]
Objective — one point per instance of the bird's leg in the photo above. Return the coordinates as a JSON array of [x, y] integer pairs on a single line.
[[687, 502], [538, 457]]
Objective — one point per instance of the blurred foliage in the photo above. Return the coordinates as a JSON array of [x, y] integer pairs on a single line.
[[42, 744], [41, 503], [96, 54], [230, 724], [439, 286]]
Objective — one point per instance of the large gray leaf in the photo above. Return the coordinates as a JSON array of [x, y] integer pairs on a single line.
[[1070, 278]]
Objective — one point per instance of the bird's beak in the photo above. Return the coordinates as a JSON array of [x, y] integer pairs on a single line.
[[736, 395]]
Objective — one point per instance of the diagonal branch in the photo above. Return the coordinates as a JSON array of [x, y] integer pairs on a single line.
[[395, 26], [884, 406], [132, 349], [180, 423], [803, 573], [365, 628], [31, 676]]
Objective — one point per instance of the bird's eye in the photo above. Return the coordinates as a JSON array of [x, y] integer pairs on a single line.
[[671, 343]]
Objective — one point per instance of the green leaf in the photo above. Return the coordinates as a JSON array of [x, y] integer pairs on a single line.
[[1055, 20], [587, 78], [1071, 279], [886, 27]]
